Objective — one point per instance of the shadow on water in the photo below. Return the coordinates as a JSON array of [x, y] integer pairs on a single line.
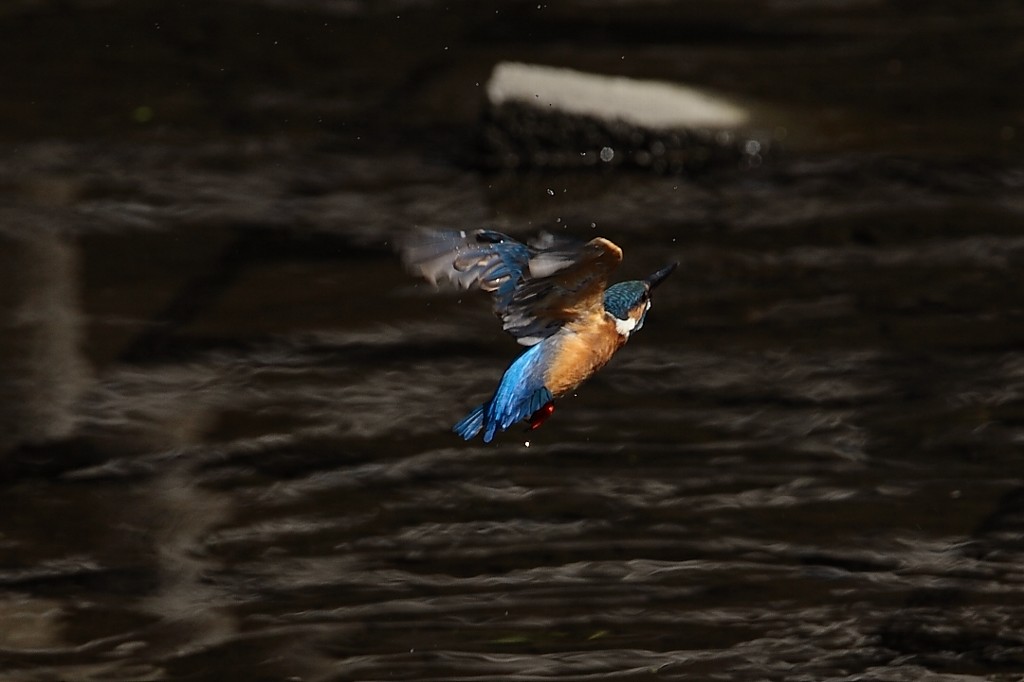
[[225, 408]]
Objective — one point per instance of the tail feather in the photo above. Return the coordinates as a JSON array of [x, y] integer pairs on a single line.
[[471, 424]]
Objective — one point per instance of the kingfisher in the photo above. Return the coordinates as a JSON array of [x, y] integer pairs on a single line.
[[552, 295]]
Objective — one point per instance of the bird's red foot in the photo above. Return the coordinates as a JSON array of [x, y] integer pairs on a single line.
[[541, 415]]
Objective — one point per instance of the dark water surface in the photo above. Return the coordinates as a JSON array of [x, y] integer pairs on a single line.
[[224, 437]]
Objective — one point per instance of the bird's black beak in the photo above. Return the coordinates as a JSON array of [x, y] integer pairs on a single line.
[[660, 276]]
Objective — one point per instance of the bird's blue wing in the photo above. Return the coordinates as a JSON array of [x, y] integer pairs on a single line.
[[536, 288], [520, 393]]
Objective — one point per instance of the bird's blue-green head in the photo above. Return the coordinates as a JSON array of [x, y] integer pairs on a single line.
[[628, 302]]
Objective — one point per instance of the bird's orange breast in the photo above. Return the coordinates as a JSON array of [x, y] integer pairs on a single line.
[[584, 348]]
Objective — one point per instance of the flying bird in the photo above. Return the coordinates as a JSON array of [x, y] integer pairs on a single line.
[[552, 294]]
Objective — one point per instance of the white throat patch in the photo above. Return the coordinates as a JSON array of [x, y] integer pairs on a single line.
[[629, 325], [625, 327]]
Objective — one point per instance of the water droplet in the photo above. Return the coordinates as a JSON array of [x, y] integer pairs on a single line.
[[607, 154], [752, 147], [527, 444], [551, 192]]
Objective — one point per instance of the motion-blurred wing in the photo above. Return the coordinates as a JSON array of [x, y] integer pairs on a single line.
[[536, 288], [481, 259], [566, 282]]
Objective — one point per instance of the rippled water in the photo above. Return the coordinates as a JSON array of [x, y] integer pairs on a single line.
[[224, 438]]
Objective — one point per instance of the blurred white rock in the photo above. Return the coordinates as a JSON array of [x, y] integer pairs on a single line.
[[645, 103]]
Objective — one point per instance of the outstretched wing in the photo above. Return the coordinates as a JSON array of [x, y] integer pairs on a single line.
[[565, 282], [481, 259], [536, 288]]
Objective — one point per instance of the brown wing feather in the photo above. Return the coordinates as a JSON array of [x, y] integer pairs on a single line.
[[559, 291]]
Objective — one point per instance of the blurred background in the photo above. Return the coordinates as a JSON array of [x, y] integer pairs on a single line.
[[225, 409]]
